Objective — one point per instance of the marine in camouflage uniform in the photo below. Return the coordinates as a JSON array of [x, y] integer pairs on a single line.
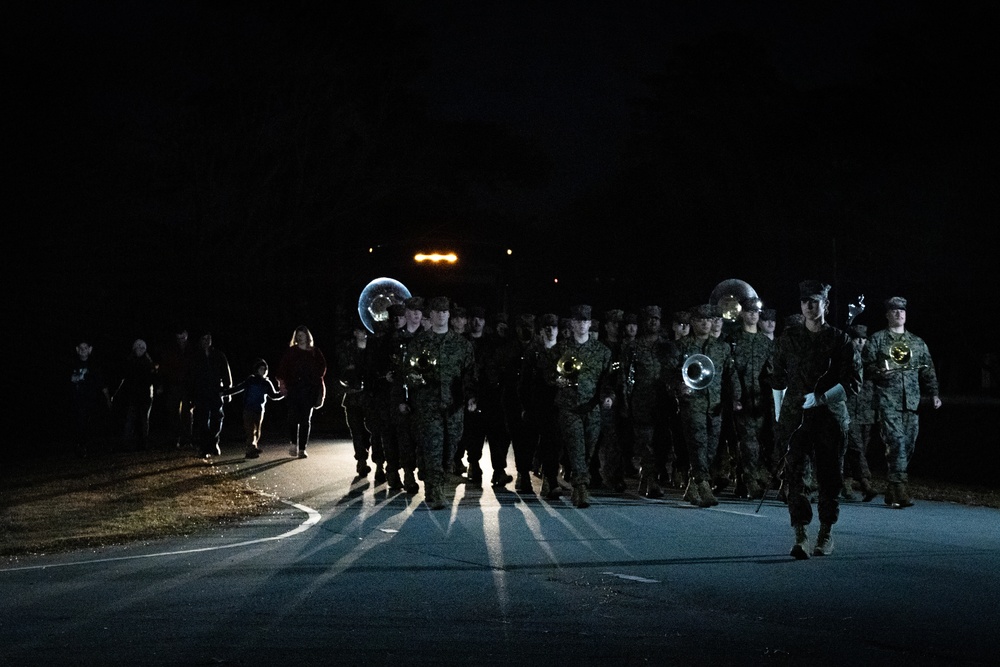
[[487, 423], [815, 369], [751, 351], [899, 388], [701, 409], [579, 397], [352, 365], [609, 453], [441, 389], [861, 409], [536, 391], [647, 400], [403, 450]]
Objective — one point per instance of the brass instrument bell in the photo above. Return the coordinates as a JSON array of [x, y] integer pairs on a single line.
[[569, 367], [729, 294], [421, 365], [698, 371]]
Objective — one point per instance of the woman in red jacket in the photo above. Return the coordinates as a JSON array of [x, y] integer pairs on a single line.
[[300, 379]]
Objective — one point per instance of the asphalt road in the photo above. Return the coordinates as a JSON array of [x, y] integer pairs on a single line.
[[350, 575]]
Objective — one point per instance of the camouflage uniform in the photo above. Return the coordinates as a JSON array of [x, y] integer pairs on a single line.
[[439, 401], [861, 410], [647, 403], [579, 404], [402, 450], [801, 358], [352, 365], [751, 352], [488, 423], [897, 396], [536, 392], [701, 409]]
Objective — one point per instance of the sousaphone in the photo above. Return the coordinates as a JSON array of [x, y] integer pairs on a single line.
[[375, 299], [729, 294]]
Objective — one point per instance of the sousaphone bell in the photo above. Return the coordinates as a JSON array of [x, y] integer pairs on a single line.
[[698, 371], [729, 295], [375, 299]]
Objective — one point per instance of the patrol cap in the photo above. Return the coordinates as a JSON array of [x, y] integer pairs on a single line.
[[895, 303], [500, 318], [752, 304], [581, 312], [858, 331], [630, 318], [396, 310], [652, 311], [414, 303], [717, 311], [440, 304], [550, 320], [769, 315], [459, 311], [526, 319], [613, 315], [813, 289], [703, 312], [681, 317], [477, 311]]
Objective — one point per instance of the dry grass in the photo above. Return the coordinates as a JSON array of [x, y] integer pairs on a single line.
[[57, 504], [49, 505]]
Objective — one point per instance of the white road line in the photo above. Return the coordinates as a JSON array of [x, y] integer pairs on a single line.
[[312, 519]]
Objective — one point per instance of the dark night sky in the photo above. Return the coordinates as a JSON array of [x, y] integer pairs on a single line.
[[312, 134]]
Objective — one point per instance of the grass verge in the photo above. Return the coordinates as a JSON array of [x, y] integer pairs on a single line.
[[57, 504]]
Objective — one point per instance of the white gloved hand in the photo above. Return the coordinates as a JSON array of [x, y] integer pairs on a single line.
[[810, 401], [779, 396], [834, 394]]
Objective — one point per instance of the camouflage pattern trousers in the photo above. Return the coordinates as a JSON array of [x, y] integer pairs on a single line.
[[749, 425], [701, 434], [899, 430], [856, 456], [580, 433], [822, 438], [437, 434]]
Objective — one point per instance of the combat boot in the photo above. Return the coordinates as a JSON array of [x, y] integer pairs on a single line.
[[800, 550], [754, 490], [902, 496], [648, 486], [523, 483], [501, 478], [393, 480], [435, 496], [363, 469], [475, 475], [824, 541], [691, 493], [379, 474], [847, 493], [707, 497], [867, 492], [890, 494], [409, 482], [551, 489], [581, 496]]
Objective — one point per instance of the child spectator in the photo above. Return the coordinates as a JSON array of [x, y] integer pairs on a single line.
[[258, 388]]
